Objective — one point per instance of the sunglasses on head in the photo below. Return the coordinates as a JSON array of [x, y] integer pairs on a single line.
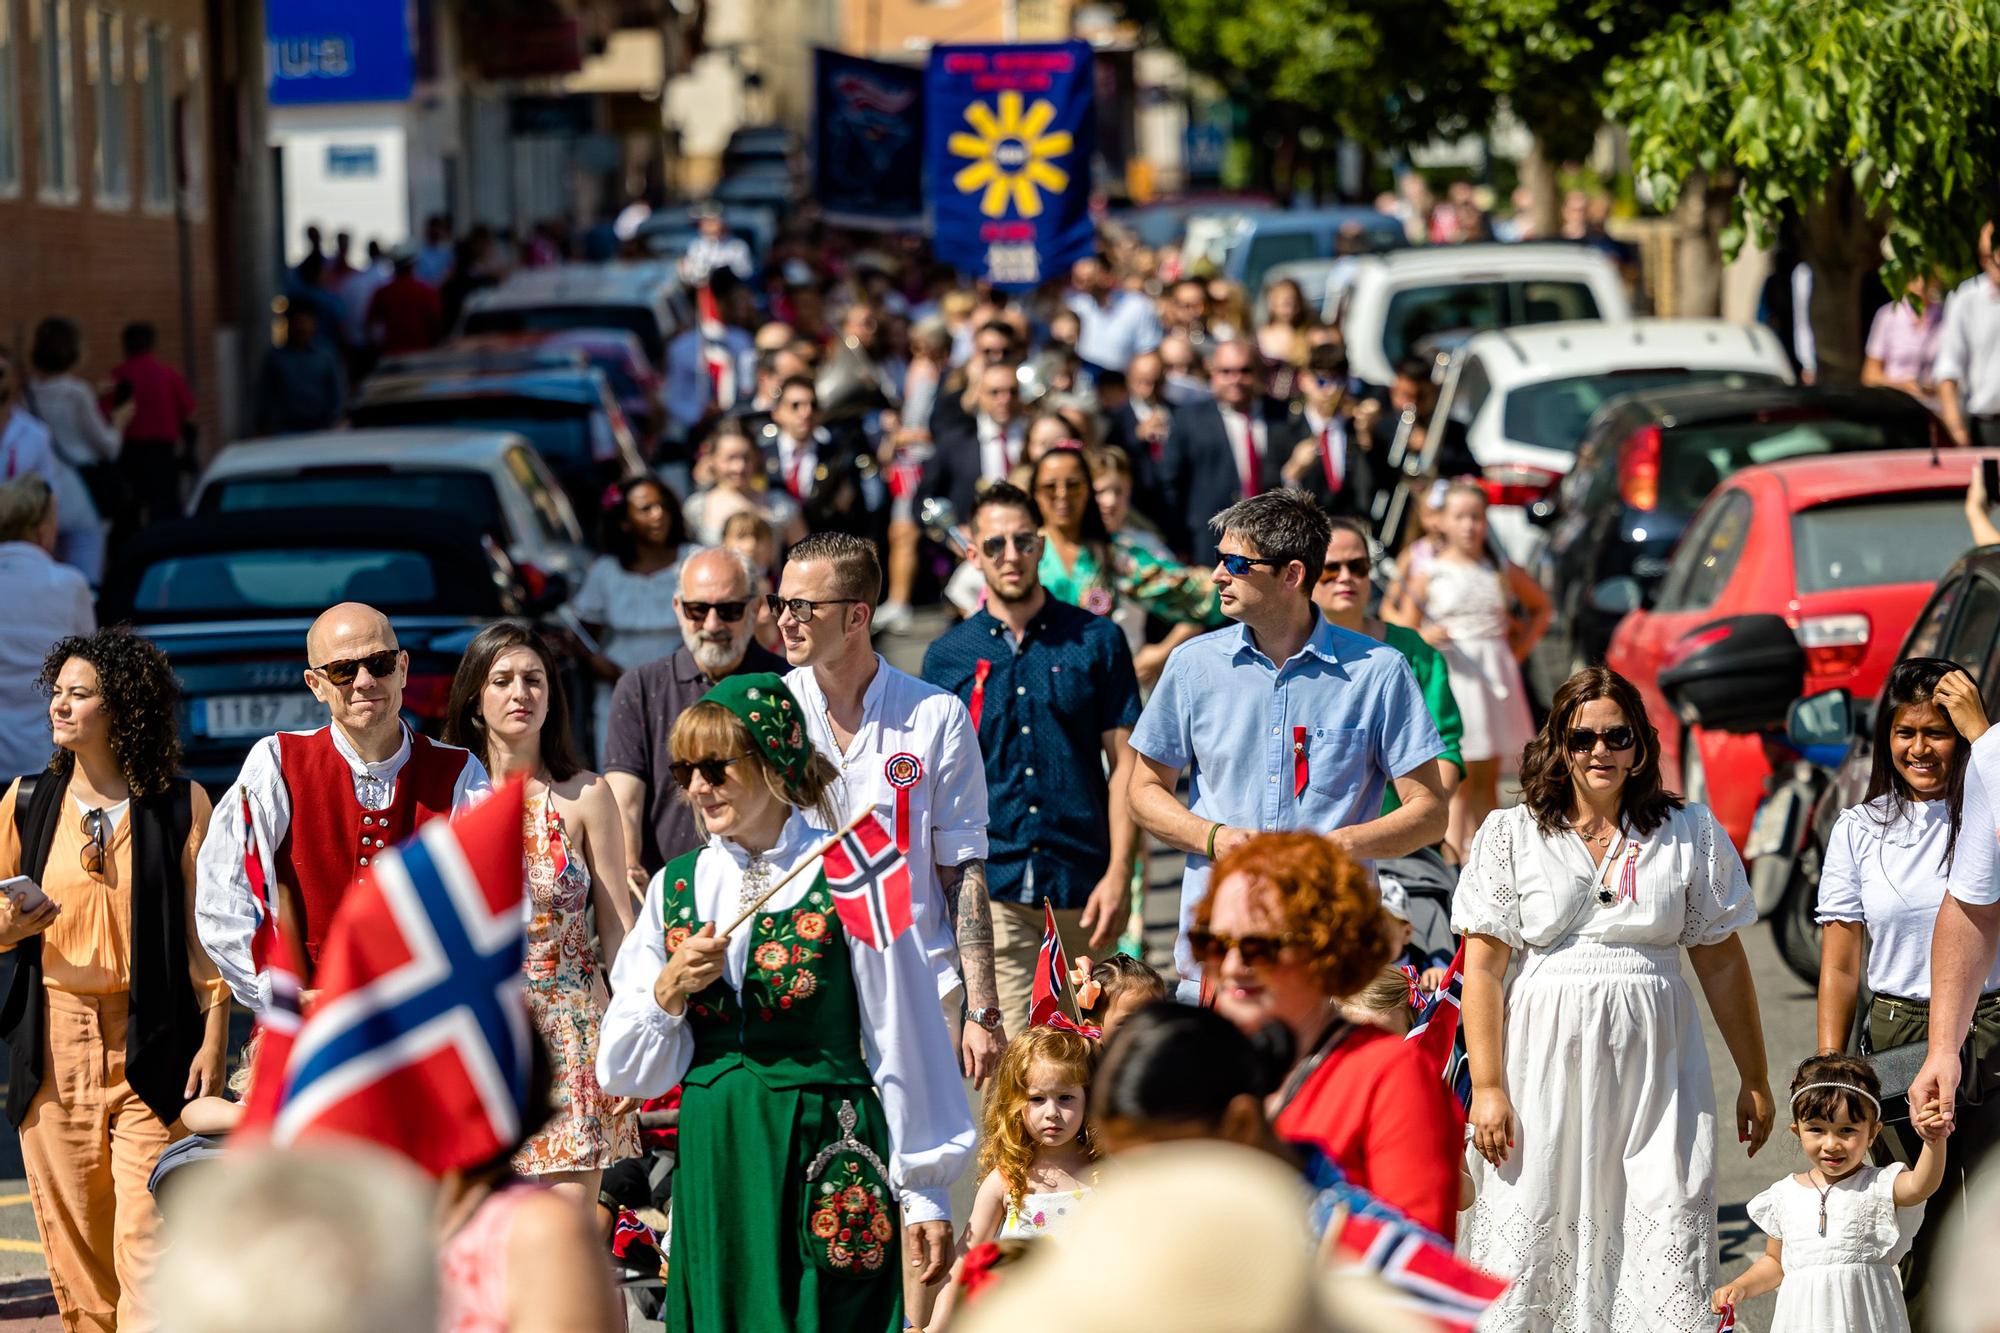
[[1240, 565], [714, 772], [1582, 740], [728, 612], [1360, 567], [1255, 950], [1027, 545], [380, 665]]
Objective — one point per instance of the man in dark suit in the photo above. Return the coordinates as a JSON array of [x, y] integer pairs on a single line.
[[1331, 462], [1139, 426], [1222, 451], [831, 474], [980, 448]]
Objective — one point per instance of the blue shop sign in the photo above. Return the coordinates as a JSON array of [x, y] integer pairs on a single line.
[[322, 51]]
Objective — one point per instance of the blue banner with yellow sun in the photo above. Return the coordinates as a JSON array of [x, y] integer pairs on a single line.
[[1008, 143]]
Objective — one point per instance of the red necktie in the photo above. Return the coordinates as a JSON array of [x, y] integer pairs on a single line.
[[1326, 459], [792, 474], [1251, 472]]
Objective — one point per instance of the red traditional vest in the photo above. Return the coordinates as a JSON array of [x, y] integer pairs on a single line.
[[332, 838]]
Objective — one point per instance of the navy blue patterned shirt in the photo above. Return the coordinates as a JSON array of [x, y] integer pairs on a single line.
[[1042, 709]]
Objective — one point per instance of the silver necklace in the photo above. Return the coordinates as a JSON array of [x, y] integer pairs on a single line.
[[756, 879]]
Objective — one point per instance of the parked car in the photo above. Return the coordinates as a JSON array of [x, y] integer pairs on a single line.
[[1164, 221], [1843, 547], [492, 480], [1515, 403], [1242, 244], [569, 416], [618, 354], [645, 299], [1392, 299], [751, 145], [229, 599], [1651, 457], [668, 233], [765, 184]]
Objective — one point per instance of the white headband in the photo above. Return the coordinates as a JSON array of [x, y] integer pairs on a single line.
[[1844, 1087]]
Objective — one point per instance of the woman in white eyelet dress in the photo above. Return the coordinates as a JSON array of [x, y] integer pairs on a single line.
[[1601, 1111]]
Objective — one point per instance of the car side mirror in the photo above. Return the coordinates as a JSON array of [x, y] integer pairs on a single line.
[[1618, 596], [1820, 720]]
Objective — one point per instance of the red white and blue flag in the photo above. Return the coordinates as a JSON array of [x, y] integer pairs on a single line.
[[1436, 1031], [716, 357], [419, 1040], [1728, 1324], [1050, 1005], [870, 882], [274, 949]]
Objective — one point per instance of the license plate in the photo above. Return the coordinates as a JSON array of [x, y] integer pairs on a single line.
[[1769, 833], [230, 715]]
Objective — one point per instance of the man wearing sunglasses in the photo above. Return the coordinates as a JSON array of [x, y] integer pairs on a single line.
[[1284, 721], [718, 624], [315, 808], [979, 450], [1222, 451], [1053, 697], [1331, 462]]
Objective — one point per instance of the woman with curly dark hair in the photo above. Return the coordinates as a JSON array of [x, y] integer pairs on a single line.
[[1593, 1113], [114, 1018], [1291, 925]]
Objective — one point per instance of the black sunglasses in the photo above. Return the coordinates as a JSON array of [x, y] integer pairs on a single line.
[[1239, 565], [380, 665], [802, 608], [1210, 948], [728, 612], [714, 772], [1028, 545], [91, 858], [1582, 740], [1360, 567]]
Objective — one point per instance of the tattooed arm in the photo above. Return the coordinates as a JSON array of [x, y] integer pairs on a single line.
[[964, 888]]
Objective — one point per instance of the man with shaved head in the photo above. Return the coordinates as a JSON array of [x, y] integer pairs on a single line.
[[317, 807]]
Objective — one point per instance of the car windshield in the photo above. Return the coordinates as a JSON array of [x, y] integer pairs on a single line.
[[301, 581], [560, 432], [553, 318], [1696, 458], [1417, 312], [1890, 539], [467, 495], [1555, 414]]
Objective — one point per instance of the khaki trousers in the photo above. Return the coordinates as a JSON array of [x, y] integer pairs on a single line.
[[1017, 943], [89, 1144]]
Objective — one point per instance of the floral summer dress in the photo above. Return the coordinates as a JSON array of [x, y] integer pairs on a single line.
[[566, 1001]]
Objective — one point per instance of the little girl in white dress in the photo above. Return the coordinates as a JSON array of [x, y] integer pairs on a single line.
[[1838, 1230]]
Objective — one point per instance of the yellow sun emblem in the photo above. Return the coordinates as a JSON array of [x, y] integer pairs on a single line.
[[1013, 156]]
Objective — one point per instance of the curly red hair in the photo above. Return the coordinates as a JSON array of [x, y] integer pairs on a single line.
[[1329, 904], [1005, 1146]]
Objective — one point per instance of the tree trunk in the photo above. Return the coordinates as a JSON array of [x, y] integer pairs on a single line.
[[1699, 217], [1545, 203], [1842, 246]]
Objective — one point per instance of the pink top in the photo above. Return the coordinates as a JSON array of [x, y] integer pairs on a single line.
[[472, 1269]]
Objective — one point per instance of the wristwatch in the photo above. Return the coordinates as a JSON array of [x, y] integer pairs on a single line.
[[988, 1018]]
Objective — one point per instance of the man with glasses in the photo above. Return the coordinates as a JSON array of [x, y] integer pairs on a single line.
[[1052, 697], [718, 631], [982, 450], [1330, 463], [312, 809], [1283, 722], [1223, 451]]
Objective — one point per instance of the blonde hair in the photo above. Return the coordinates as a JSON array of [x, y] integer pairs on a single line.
[[1004, 1143], [1386, 996], [708, 730]]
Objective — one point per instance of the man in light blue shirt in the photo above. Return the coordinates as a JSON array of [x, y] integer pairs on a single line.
[[1285, 720], [1113, 325]]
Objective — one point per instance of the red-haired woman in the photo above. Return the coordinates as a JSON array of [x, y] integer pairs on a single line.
[[1593, 1114]]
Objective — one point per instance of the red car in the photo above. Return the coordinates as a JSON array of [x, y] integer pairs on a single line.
[[1845, 547]]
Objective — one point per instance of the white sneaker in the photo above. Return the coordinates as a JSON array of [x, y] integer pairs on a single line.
[[892, 617]]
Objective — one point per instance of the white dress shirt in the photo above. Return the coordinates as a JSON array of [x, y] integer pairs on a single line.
[[642, 1050], [901, 715], [225, 910], [46, 601], [999, 449], [1889, 875], [796, 463], [1331, 433], [1969, 346], [1975, 867], [1237, 424]]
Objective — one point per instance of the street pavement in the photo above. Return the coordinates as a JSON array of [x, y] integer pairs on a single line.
[[1787, 1007]]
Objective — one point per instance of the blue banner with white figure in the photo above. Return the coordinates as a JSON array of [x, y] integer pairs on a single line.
[[1009, 139], [868, 142]]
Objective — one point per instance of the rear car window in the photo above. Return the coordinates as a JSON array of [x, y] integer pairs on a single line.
[[560, 432], [636, 319], [1555, 414], [1417, 312], [469, 495], [1895, 539], [257, 582], [1696, 458]]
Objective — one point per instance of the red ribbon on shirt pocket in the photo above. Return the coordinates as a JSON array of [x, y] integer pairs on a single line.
[[980, 671], [1299, 771]]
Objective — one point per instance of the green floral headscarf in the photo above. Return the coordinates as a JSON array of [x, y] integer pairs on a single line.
[[775, 721]]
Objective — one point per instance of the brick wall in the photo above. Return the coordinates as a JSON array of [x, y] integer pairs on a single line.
[[101, 263]]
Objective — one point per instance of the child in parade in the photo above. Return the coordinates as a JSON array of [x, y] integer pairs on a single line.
[[1838, 1229], [1113, 988]]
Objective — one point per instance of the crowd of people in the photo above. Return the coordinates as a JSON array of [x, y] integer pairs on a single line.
[[1132, 515]]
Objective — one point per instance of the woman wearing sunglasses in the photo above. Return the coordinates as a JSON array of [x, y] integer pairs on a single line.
[[1084, 565], [823, 1110], [1593, 1113], [508, 707], [1884, 878], [115, 1018]]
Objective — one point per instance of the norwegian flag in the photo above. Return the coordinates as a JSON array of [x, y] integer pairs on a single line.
[[716, 357], [275, 951], [1051, 1006], [870, 882], [1436, 1031], [419, 1040], [1426, 1277], [1728, 1324]]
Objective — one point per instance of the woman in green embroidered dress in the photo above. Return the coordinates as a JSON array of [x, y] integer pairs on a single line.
[[822, 1111]]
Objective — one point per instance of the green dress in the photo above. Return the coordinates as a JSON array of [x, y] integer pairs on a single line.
[[1171, 592], [783, 1217]]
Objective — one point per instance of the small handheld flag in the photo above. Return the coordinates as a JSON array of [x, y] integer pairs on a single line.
[[1051, 1000], [870, 882], [1436, 1031], [1728, 1324]]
